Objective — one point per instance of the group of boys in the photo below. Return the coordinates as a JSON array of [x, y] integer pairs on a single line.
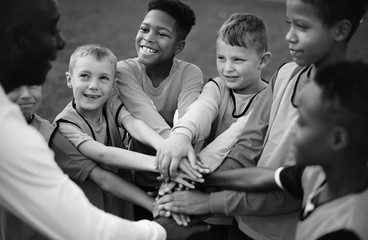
[[301, 132]]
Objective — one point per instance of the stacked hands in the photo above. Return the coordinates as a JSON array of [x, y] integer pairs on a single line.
[[184, 180]]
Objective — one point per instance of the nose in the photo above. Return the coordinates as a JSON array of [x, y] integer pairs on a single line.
[[24, 93], [60, 41], [93, 84], [149, 36], [228, 66], [290, 36]]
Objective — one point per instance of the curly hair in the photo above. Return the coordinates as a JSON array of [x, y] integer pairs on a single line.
[[181, 12]]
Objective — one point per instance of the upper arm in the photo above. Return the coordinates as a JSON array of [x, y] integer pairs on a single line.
[[76, 165], [290, 178], [192, 85]]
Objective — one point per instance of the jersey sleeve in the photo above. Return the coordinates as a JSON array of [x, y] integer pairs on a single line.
[[196, 122], [70, 160], [192, 85], [75, 135], [136, 101]]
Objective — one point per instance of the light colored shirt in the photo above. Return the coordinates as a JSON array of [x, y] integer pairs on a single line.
[[35, 189], [157, 105], [273, 215]]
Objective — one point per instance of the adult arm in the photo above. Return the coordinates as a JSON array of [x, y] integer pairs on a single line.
[[136, 101], [35, 190]]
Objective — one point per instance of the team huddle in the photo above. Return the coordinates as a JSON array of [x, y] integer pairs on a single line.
[[148, 149]]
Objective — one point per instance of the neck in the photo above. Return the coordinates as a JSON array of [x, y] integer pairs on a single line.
[[159, 72], [339, 53]]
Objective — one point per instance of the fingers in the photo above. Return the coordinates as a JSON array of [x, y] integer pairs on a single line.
[[173, 168], [187, 168]]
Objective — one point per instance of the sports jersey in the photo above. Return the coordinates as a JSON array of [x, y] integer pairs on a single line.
[[267, 140], [345, 215], [78, 129], [156, 106]]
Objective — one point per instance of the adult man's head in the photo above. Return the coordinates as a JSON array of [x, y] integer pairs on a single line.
[[29, 41]]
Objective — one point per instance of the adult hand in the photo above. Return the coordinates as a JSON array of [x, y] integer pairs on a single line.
[[187, 202], [176, 232], [172, 151]]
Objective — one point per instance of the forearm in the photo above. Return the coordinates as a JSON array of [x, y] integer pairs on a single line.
[[118, 157], [120, 188], [143, 133], [243, 179], [234, 203]]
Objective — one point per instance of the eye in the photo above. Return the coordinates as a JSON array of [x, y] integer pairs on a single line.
[[83, 76], [143, 29], [105, 78], [161, 34], [221, 58], [239, 60]]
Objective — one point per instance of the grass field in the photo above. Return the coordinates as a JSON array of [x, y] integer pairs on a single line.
[[114, 23]]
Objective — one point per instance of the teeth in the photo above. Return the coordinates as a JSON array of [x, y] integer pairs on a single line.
[[149, 50], [92, 96]]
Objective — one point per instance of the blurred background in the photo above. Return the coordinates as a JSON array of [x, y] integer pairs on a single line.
[[114, 24]]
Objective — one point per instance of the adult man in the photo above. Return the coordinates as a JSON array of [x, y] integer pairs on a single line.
[[32, 186]]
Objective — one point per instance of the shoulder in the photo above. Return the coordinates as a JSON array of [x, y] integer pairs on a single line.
[[187, 67], [128, 64]]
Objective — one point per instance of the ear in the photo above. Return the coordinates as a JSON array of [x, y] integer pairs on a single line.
[[15, 36], [339, 138], [179, 47], [68, 79], [342, 30], [265, 59]]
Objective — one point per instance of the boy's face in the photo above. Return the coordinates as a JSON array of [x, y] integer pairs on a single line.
[[157, 38], [310, 41], [29, 99], [92, 82], [313, 128], [238, 67]]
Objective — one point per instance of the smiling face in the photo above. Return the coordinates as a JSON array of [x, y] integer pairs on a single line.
[[310, 41], [157, 38], [29, 99], [238, 67], [92, 82]]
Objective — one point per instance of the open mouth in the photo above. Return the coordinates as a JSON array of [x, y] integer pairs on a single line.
[[91, 96], [148, 50]]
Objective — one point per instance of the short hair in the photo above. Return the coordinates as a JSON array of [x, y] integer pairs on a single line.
[[98, 51], [344, 96], [182, 13], [333, 11], [244, 30]]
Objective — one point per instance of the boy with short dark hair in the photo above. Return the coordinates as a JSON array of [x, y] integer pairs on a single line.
[[331, 174], [318, 36], [156, 86]]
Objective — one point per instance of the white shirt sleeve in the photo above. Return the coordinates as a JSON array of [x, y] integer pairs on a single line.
[[277, 177], [36, 190]]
